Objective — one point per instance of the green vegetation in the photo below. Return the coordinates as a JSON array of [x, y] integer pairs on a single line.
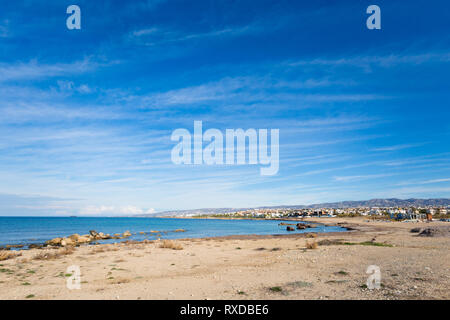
[[327, 242], [343, 273], [276, 289], [300, 284], [336, 281], [30, 296]]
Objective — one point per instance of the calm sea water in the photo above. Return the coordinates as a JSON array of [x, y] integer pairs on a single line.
[[26, 230]]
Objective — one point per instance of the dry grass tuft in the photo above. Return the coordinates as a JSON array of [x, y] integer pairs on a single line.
[[311, 245], [54, 254], [103, 248], [311, 235], [5, 255], [169, 244], [120, 280]]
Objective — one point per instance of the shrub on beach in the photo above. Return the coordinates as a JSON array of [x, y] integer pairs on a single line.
[[169, 244], [5, 255], [50, 255], [311, 235], [311, 245]]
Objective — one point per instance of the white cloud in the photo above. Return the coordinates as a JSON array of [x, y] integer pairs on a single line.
[[144, 32], [102, 210]]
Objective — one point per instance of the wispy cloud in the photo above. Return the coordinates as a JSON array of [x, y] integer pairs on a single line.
[[360, 177], [155, 36], [398, 147], [383, 61], [431, 181], [35, 70]]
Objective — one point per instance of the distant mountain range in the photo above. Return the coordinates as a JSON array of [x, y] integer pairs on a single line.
[[343, 204]]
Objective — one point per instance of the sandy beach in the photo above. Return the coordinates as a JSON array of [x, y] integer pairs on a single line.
[[244, 267]]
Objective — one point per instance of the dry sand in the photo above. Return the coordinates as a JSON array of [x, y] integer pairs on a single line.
[[244, 267]]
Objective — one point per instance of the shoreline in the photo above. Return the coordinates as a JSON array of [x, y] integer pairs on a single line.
[[267, 267], [125, 235]]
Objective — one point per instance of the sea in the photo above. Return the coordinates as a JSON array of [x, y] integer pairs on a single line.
[[28, 230]]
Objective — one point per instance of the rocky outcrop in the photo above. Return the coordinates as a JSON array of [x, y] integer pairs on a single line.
[[14, 246], [35, 246], [54, 242], [92, 237], [67, 242]]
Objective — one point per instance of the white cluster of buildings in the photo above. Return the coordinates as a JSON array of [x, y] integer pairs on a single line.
[[393, 212]]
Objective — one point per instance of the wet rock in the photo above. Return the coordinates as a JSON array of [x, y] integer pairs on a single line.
[[127, 234], [290, 228], [67, 242], [35, 246], [301, 226], [84, 239], [93, 233], [54, 242], [14, 246], [102, 236]]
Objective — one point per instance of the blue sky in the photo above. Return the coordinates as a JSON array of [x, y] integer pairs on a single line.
[[87, 114]]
